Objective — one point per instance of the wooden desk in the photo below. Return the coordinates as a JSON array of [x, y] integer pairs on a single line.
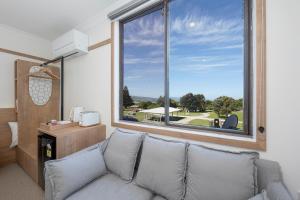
[[67, 141], [73, 139]]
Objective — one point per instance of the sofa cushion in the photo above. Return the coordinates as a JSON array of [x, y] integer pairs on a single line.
[[219, 175], [162, 167], [267, 172], [73, 172], [111, 187], [277, 191], [260, 196], [121, 153], [158, 198]]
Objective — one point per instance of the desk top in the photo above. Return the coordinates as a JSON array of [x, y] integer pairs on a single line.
[[70, 130]]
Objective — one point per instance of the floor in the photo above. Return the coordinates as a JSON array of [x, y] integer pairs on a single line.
[[15, 184]]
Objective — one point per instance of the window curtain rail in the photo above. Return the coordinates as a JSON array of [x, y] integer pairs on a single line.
[[125, 8]]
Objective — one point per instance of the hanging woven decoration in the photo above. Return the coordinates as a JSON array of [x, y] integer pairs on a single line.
[[40, 88]]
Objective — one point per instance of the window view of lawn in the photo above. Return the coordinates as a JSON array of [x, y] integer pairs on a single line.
[[186, 111], [207, 68]]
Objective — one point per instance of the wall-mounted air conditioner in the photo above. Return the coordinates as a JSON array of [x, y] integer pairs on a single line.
[[71, 43]]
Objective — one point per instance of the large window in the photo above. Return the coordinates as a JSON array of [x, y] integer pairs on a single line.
[[187, 64]]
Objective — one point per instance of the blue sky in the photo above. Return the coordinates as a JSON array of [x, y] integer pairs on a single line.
[[205, 51]]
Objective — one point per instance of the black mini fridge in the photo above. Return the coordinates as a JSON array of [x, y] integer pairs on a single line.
[[46, 151]]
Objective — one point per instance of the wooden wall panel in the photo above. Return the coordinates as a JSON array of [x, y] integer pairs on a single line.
[[28, 163], [30, 115], [23, 55], [5, 136], [7, 155], [7, 115]]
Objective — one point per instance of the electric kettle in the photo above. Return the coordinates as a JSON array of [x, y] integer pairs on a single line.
[[75, 113]]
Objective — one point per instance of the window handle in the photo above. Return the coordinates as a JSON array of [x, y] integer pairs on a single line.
[[261, 129]]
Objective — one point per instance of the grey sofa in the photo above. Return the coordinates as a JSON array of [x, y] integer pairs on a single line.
[[135, 166]]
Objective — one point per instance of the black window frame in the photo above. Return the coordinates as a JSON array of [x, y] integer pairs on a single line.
[[248, 70]]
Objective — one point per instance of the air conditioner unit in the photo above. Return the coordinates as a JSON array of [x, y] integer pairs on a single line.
[[71, 43]]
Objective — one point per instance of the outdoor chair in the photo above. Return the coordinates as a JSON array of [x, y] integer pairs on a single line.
[[231, 122]]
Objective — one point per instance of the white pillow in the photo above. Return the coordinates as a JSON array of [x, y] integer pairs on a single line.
[[14, 133]]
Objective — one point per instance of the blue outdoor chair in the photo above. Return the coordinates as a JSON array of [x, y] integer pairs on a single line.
[[231, 122]]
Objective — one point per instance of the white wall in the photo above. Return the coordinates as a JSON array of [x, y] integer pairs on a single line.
[[88, 82], [16, 40]]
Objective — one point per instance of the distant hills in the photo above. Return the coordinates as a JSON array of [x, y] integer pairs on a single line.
[[151, 99], [143, 99]]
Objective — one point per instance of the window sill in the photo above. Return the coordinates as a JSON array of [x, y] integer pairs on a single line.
[[248, 142]]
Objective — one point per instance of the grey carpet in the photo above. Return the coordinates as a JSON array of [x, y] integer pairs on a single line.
[[15, 184]]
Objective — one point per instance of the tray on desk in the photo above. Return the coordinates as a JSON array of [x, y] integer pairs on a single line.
[[50, 127]]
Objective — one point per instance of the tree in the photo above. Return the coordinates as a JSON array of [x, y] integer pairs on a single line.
[[200, 102], [173, 103], [193, 103], [223, 105], [186, 102], [127, 100], [238, 104], [145, 104], [161, 102], [209, 105]]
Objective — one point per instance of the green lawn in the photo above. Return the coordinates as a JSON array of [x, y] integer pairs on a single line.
[[196, 122], [199, 122], [240, 115], [203, 122], [188, 113], [139, 116]]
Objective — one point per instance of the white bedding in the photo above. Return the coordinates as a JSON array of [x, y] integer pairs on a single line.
[[14, 133]]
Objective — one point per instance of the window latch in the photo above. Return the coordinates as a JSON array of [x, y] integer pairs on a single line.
[[261, 129]]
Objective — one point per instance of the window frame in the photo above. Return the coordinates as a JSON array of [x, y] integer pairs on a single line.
[[247, 68], [144, 12], [257, 140]]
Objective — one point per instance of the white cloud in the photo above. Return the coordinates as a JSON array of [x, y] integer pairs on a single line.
[[195, 64], [130, 59], [224, 47], [194, 29], [145, 31], [141, 41], [130, 78], [205, 25]]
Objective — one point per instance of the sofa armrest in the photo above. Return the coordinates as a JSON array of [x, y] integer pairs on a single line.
[[48, 188], [274, 191], [62, 178], [267, 172], [278, 191]]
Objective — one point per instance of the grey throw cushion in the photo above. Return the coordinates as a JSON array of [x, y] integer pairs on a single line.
[[121, 153], [277, 191], [220, 175], [162, 167], [73, 172]]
